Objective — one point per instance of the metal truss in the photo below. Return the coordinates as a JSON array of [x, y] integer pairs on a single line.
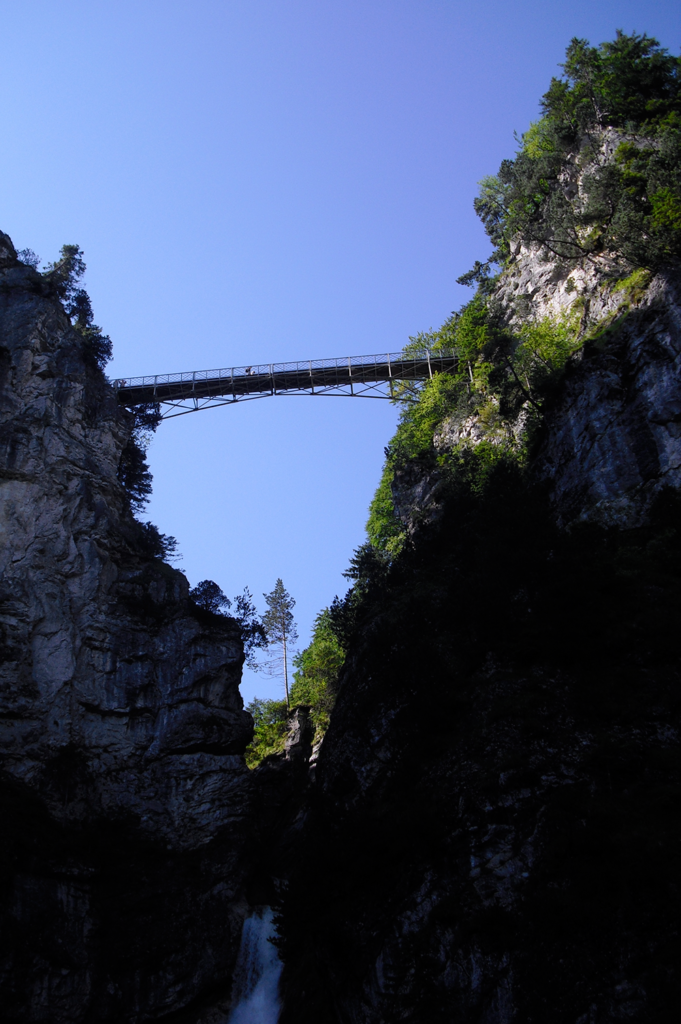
[[389, 375]]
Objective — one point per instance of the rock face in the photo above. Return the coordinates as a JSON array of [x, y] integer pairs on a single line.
[[489, 835], [128, 805], [108, 670], [612, 437], [492, 835]]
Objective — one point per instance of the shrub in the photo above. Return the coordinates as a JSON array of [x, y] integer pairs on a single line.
[[630, 207], [269, 737], [315, 678]]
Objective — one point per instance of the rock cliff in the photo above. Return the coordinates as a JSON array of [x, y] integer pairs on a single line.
[[611, 438], [492, 835], [488, 831], [129, 813]]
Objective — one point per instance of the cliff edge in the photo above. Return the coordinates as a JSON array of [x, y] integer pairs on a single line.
[[127, 804]]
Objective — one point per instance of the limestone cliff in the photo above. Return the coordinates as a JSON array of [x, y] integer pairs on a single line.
[[611, 437], [129, 814], [111, 682], [488, 833], [493, 832]]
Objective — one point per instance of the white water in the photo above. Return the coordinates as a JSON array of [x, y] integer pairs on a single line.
[[255, 992]]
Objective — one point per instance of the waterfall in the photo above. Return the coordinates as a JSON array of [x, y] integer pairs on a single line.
[[255, 992]]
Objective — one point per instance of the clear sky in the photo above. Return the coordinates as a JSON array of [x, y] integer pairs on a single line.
[[269, 180]]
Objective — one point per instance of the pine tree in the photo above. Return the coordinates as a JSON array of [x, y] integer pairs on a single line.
[[280, 629], [208, 595]]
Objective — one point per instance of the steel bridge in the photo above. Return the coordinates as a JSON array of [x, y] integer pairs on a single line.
[[387, 375]]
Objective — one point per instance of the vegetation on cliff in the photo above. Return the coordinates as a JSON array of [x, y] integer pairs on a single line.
[[504, 679], [481, 423], [315, 680], [281, 632], [566, 200], [495, 821], [63, 279], [563, 193]]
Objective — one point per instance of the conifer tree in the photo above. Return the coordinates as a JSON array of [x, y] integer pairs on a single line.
[[280, 630]]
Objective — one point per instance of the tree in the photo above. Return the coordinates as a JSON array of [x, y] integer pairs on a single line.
[[269, 736], [134, 473], [97, 345], [317, 668], [280, 630], [628, 207], [210, 597], [252, 630], [63, 276]]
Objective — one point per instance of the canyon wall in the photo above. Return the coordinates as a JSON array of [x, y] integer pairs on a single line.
[[129, 813], [493, 832], [489, 831]]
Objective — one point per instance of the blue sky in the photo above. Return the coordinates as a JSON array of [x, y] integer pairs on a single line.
[[269, 180]]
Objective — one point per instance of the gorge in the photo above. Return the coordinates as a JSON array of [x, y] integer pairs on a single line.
[[488, 831]]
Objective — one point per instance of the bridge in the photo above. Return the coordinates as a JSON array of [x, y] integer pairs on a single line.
[[387, 375]]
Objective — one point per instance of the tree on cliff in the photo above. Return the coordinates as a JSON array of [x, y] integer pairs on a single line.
[[63, 276], [280, 631], [317, 668], [558, 194], [211, 598]]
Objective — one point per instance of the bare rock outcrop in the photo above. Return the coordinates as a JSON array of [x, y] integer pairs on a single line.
[[612, 440], [611, 437], [129, 815], [108, 669]]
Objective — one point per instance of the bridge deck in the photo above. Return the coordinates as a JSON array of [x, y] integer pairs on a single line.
[[361, 376]]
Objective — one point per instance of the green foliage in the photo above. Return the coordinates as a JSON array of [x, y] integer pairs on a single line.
[[498, 375], [472, 331], [545, 346], [631, 206], [414, 437], [64, 274], [30, 258], [135, 477], [315, 679], [280, 631], [133, 469], [269, 736], [153, 544], [413, 440], [63, 278], [134, 473], [441, 340], [209, 596], [384, 529], [538, 140], [98, 346], [634, 285], [314, 685], [631, 82], [369, 569], [491, 206], [252, 631], [666, 207]]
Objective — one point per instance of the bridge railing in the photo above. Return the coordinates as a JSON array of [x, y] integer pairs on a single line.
[[345, 364], [383, 375]]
